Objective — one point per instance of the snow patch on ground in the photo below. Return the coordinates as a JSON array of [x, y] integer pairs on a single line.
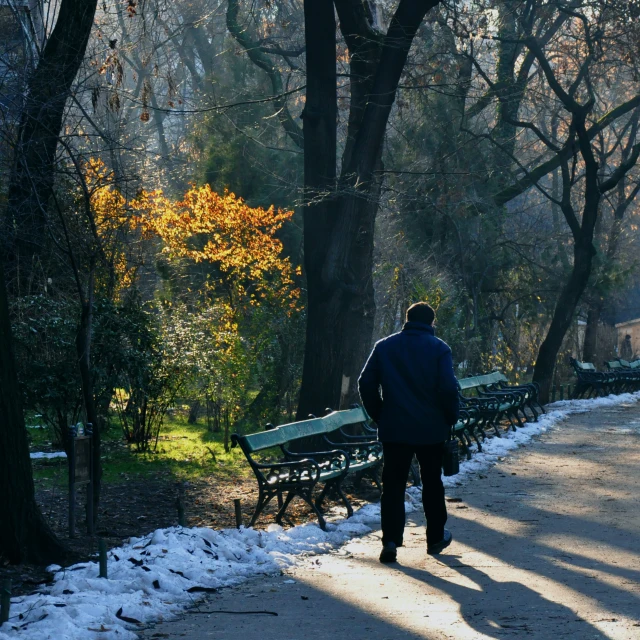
[[37, 455], [155, 577]]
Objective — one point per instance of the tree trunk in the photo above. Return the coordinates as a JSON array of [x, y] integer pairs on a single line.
[[24, 534], [339, 235], [321, 368], [83, 348], [591, 331], [194, 412], [33, 171], [563, 316], [583, 253]]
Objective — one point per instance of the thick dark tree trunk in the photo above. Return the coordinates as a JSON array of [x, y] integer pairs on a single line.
[[339, 234], [321, 370], [24, 534], [583, 253], [33, 171], [563, 316]]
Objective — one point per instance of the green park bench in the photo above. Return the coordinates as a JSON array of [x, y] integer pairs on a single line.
[[627, 372], [591, 381], [298, 473], [496, 399]]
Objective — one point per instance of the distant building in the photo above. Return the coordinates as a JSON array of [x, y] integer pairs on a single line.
[[629, 339]]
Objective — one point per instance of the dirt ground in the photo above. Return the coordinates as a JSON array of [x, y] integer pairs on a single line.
[[546, 545]]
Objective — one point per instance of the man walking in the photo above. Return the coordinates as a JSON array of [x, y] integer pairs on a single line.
[[408, 387]]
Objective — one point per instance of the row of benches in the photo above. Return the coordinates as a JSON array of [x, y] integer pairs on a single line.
[[348, 444], [621, 376], [495, 401]]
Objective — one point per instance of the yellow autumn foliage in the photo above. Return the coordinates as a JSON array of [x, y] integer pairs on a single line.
[[110, 216], [222, 229]]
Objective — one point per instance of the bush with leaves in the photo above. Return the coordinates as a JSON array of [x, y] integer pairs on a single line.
[[44, 329], [237, 315]]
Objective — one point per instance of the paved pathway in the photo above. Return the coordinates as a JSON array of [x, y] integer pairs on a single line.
[[547, 545]]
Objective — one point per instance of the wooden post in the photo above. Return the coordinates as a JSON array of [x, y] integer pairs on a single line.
[[72, 481], [180, 506], [89, 432], [236, 504], [5, 600], [561, 392], [102, 556], [553, 393]]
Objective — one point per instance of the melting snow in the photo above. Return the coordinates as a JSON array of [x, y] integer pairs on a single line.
[[35, 455], [155, 577]]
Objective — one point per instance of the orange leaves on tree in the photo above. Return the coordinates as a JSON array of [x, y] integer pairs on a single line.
[[239, 240], [109, 211]]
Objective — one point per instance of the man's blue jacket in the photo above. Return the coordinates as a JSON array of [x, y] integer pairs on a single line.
[[408, 387]]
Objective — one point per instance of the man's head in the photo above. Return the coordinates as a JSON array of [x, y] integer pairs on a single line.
[[421, 312]]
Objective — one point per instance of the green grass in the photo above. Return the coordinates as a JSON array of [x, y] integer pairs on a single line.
[[184, 452]]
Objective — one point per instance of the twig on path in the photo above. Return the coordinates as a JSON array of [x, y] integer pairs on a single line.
[[265, 613]]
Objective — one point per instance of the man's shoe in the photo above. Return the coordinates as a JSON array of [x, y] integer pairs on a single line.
[[439, 547], [388, 553]]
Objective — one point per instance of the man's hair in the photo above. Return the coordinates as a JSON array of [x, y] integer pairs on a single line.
[[421, 312]]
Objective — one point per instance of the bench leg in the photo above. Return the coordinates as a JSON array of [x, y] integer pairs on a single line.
[[580, 390], [283, 507], [308, 498], [493, 423], [516, 415], [511, 422], [375, 472], [479, 426], [465, 447], [474, 435], [529, 403], [338, 489], [322, 496], [263, 501], [357, 479], [533, 412]]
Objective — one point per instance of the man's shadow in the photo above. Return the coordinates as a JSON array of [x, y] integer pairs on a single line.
[[497, 609]]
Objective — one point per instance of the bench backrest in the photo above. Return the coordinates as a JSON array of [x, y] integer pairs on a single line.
[[303, 429], [614, 364], [481, 381], [630, 365], [584, 366]]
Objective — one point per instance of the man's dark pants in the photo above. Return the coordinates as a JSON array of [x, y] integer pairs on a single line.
[[395, 470]]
